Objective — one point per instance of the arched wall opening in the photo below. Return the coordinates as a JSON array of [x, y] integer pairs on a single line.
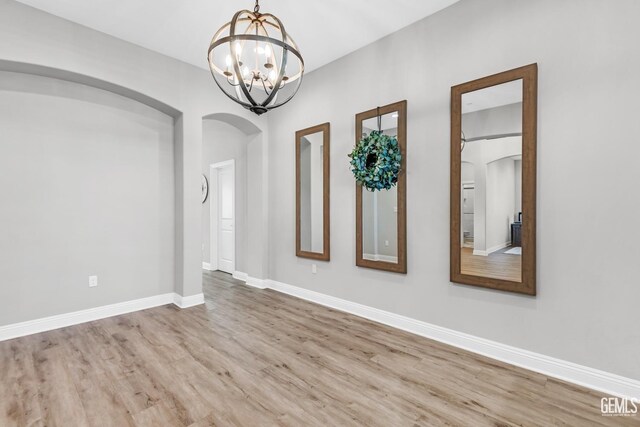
[[227, 137], [70, 76], [494, 166]]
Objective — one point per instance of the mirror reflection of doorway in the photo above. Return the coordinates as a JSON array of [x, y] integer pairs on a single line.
[[491, 182], [229, 138]]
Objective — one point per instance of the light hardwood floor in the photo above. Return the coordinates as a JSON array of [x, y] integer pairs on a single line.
[[256, 357], [497, 265]]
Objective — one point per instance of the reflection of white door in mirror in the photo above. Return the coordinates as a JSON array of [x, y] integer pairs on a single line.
[[468, 193]]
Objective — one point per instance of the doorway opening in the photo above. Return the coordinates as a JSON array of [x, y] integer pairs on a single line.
[[232, 210]]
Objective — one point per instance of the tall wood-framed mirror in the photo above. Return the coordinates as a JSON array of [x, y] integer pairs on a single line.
[[493, 181], [381, 219], [312, 192]]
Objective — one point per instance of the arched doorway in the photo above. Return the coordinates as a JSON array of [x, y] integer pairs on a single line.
[[232, 163]]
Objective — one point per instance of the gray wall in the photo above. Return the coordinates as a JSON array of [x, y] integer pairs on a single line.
[[586, 310], [258, 201], [87, 185], [220, 142]]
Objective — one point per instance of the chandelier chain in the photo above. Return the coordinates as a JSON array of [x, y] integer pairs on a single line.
[[256, 8]]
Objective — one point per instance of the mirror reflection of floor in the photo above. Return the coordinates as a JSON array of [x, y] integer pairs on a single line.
[[498, 265]]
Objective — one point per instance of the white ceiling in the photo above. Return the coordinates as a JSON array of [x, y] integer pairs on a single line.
[[324, 30]]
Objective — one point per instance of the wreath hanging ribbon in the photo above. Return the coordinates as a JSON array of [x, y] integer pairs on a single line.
[[376, 160]]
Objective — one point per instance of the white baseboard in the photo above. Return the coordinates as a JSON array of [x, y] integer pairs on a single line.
[[239, 275], [251, 281], [256, 283], [68, 319], [50, 323], [567, 371], [491, 250], [498, 247], [190, 301], [206, 266]]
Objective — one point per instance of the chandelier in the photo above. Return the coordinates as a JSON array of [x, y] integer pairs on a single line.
[[255, 62]]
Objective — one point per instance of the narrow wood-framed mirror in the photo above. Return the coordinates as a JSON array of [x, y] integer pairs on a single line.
[[493, 181], [381, 216], [312, 192]]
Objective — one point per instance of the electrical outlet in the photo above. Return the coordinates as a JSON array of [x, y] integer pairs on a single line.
[[386, 243], [314, 268], [93, 281]]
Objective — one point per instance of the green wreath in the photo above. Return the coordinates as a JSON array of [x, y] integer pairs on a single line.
[[376, 160]]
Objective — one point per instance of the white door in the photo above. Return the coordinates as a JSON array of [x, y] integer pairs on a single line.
[[468, 214], [226, 233]]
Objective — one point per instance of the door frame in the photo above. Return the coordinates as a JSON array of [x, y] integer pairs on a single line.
[[214, 207]]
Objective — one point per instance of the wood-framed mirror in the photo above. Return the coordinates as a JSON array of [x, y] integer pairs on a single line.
[[381, 218], [312, 192], [493, 181]]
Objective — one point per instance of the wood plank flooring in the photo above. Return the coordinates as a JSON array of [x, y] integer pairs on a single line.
[[259, 358], [497, 265]]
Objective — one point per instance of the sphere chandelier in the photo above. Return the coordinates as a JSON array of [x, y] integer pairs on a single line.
[[255, 62]]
